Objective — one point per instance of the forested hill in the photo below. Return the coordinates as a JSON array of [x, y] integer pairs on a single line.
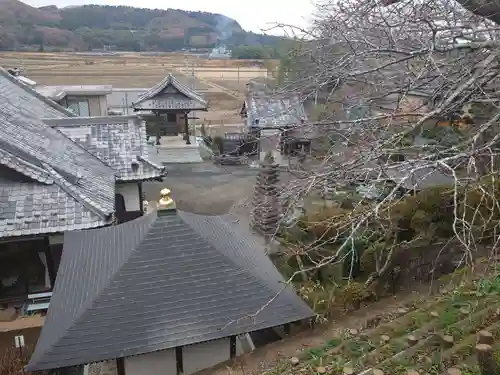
[[124, 28]]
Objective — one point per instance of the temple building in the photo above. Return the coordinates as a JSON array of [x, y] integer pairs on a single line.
[[166, 108]]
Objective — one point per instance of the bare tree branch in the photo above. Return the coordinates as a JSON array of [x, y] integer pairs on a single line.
[[399, 92]]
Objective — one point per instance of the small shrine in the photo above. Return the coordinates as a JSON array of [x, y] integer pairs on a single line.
[[166, 108]]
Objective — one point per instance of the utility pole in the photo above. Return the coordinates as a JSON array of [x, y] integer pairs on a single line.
[[193, 84], [126, 103]]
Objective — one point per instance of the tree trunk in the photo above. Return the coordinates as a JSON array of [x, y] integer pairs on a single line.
[[485, 359]]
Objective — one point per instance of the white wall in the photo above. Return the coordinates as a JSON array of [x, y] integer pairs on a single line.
[[56, 239], [206, 354], [130, 192], [157, 363], [194, 357], [103, 104]]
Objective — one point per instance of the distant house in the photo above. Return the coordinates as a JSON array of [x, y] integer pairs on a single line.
[[170, 293], [84, 101], [121, 100], [120, 142]]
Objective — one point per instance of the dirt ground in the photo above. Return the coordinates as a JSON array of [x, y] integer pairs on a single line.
[[214, 194], [222, 82], [265, 358]]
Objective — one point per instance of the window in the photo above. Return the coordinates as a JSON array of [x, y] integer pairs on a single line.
[[56, 252], [23, 268], [120, 208], [171, 117], [79, 106]]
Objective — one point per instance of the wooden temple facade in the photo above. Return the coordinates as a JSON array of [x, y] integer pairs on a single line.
[[166, 108]]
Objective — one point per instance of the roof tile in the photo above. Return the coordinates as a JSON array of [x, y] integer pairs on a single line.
[[42, 162], [273, 109], [119, 141], [182, 97], [159, 282], [33, 102]]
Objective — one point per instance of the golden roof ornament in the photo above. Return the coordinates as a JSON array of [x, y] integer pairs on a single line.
[[166, 202]]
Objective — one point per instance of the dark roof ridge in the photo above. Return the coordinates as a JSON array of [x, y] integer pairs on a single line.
[[68, 188], [33, 92], [83, 121], [170, 79], [30, 159], [48, 180]]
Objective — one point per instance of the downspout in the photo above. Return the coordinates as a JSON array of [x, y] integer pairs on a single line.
[[141, 201]]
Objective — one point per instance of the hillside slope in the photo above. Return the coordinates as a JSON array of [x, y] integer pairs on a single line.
[[125, 28]]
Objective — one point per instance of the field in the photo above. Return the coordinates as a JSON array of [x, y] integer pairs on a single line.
[[223, 82]]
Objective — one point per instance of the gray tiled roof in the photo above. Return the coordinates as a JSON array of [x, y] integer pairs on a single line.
[[119, 141], [25, 96], [273, 109], [48, 183], [159, 282], [181, 97], [421, 178]]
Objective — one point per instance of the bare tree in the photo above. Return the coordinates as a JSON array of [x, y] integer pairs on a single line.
[[408, 90]]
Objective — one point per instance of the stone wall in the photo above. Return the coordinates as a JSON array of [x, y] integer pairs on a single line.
[[428, 262], [419, 264]]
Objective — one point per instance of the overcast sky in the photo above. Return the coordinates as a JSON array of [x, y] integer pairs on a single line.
[[252, 15]]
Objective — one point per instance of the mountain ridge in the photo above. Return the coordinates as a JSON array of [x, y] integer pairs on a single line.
[[89, 27]]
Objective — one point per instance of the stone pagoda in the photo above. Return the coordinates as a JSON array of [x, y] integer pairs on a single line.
[[266, 213]]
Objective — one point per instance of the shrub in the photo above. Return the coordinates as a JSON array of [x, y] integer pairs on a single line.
[[353, 295], [426, 218], [218, 144], [320, 298], [12, 361], [331, 299]]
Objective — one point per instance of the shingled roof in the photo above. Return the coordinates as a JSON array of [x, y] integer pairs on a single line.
[[47, 182], [163, 280], [119, 141], [173, 95], [418, 176], [25, 96], [272, 109]]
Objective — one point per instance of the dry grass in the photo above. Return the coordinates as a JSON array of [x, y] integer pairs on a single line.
[[428, 337], [221, 81], [12, 361], [131, 69]]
